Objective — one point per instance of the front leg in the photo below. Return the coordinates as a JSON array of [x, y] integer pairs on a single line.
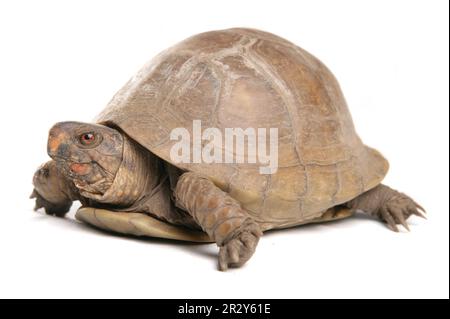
[[52, 190], [221, 217]]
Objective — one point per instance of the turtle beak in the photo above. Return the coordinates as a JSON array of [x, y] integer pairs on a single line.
[[57, 146]]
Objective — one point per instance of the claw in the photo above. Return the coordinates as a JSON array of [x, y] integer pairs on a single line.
[[393, 227], [38, 203], [419, 214], [33, 194], [403, 222], [234, 255], [420, 207], [37, 206], [389, 220], [223, 265], [400, 217]]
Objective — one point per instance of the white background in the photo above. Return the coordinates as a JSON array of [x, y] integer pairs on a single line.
[[62, 60]]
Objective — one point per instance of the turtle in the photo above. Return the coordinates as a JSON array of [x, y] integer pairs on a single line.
[[122, 169]]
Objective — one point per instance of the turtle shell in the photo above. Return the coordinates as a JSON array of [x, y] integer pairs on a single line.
[[241, 78], [140, 224]]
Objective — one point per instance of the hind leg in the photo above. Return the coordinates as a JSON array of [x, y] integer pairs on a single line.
[[389, 205]]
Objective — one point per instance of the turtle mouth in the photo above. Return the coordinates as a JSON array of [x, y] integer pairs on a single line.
[[58, 158], [80, 169], [72, 168], [90, 179]]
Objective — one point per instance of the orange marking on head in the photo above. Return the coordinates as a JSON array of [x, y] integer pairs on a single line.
[[55, 138], [80, 169], [54, 143]]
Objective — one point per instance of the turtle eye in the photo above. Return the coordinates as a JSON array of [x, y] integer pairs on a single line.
[[87, 139]]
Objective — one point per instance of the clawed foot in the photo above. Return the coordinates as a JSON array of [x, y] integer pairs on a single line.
[[238, 250], [398, 209], [46, 183], [58, 210]]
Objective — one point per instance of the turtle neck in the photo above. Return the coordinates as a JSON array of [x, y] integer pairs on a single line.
[[142, 185], [138, 174]]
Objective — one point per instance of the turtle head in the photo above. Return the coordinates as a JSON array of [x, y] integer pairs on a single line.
[[88, 154]]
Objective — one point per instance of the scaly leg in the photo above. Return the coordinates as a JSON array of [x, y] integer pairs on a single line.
[[220, 216]]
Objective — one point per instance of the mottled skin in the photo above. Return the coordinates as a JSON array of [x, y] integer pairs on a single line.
[[229, 78]]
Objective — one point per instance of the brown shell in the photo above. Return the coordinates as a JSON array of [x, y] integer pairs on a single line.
[[249, 78]]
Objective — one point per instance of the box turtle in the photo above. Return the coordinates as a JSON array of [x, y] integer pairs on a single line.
[[121, 166]]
